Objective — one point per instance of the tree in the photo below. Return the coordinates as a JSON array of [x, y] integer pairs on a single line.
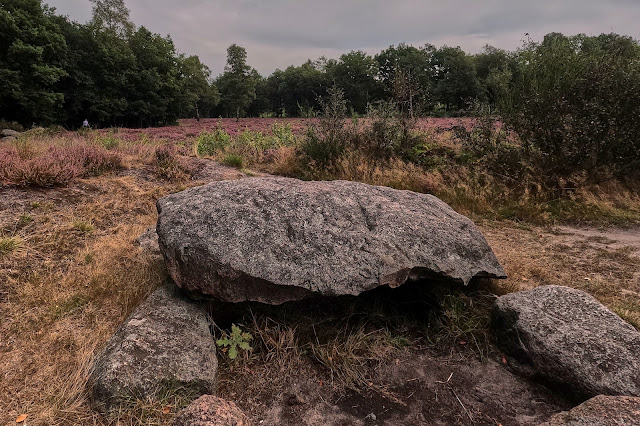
[[199, 94], [31, 44], [573, 102], [413, 66], [455, 77], [238, 83], [356, 74], [112, 15], [491, 66], [295, 91]]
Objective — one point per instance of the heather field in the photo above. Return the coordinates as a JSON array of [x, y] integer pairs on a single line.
[[190, 128]]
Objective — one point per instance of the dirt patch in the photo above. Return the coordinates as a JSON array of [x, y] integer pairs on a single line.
[[415, 387], [610, 238]]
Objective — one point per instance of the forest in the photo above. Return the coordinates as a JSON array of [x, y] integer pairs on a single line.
[[108, 70]]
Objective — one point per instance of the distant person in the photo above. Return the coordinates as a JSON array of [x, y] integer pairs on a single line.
[[85, 124]]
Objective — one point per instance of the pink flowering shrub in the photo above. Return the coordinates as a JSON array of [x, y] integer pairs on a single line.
[[55, 166], [168, 165]]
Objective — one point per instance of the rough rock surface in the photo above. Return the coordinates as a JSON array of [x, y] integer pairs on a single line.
[[568, 337], [275, 239], [9, 132], [165, 342], [600, 411], [148, 241], [209, 410]]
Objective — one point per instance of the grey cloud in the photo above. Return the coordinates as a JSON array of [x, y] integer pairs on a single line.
[[278, 33]]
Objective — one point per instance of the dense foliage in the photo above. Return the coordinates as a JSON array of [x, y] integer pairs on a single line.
[[107, 70], [573, 102]]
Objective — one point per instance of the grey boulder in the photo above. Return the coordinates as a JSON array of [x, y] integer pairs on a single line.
[[600, 411], [274, 239], [165, 343], [568, 337], [148, 241], [9, 132]]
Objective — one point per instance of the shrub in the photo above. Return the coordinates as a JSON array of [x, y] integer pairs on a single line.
[[109, 141], [56, 165], [11, 125], [234, 160], [324, 144], [572, 101], [168, 165], [207, 144]]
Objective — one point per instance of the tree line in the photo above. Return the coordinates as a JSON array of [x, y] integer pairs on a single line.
[[116, 74], [56, 71]]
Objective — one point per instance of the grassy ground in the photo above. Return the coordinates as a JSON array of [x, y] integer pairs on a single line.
[[70, 273]]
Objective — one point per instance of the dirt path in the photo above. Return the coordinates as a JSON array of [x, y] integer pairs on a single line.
[[611, 238]]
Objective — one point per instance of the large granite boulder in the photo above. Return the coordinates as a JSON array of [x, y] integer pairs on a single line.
[[274, 240], [600, 411], [165, 343], [568, 337], [209, 410]]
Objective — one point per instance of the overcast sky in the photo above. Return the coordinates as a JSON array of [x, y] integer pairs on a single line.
[[278, 33]]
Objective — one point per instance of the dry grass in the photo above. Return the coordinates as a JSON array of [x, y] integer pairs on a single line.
[[69, 286], [534, 256]]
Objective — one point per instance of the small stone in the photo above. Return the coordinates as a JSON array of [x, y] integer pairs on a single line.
[[209, 410], [600, 411]]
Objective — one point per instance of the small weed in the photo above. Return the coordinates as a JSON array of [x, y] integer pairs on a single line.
[[237, 339], [234, 160], [89, 258], [24, 220], [35, 205], [69, 306]]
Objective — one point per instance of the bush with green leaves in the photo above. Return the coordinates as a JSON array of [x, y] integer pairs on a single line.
[[573, 103], [208, 144], [325, 142], [234, 160], [235, 340]]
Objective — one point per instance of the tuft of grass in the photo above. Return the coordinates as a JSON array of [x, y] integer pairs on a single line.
[[83, 227], [24, 220], [10, 245], [157, 409], [234, 160], [350, 356], [69, 306], [464, 319]]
